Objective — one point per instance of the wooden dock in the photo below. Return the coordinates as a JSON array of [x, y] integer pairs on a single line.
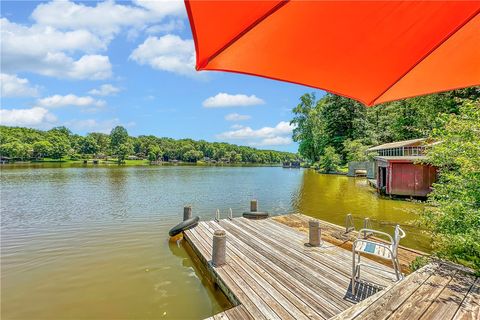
[[437, 291], [336, 234], [271, 274]]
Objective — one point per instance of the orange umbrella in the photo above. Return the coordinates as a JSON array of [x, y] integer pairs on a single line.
[[371, 51]]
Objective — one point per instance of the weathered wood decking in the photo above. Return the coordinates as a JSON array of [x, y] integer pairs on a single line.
[[437, 291], [274, 275], [335, 234], [271, 274]]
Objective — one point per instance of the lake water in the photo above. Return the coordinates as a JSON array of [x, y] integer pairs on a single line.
[[92, 242]]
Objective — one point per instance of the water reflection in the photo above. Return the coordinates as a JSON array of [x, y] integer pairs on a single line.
[[331, 198]]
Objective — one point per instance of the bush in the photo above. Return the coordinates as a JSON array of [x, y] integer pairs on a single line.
[[354, 150], [454, 217], [419, 262], [329, 161]]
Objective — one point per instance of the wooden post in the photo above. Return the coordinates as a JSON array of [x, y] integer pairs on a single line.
[[219, 249], [253, 205], [314, 233], [187, 212]]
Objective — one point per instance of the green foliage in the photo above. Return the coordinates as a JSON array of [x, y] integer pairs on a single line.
[[88, 145], [330, 160], [308, 131], [60, 145], [122, 151], [24, 143], [454, 218], [334, 120], [419, 262], [354, 150], [192, 155], [15, 150], [118, 136], [42, 149]]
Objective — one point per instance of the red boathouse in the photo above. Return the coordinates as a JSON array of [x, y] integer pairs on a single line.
[[399, 170]]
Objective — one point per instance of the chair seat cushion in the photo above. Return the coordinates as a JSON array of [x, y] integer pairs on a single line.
[[373, 248]]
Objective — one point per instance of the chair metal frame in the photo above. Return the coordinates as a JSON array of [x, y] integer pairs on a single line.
[[391, 248]]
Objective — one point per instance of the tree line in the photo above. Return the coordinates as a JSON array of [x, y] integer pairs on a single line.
[[19, 143], [334, 130]]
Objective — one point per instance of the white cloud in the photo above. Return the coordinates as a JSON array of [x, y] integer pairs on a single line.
[[105, 90], [66, 37], [237, 117], [276, 141], [225, 100], [266, 136], [93, 125], [168, 53], [106, 18], [172, 25], [34, 117], [58, 101], [44, 50], [13, 86]]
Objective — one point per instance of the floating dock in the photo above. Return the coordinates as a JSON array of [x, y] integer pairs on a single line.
[[271, 274]]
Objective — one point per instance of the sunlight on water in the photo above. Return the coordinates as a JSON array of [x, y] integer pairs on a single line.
[[80, 242]]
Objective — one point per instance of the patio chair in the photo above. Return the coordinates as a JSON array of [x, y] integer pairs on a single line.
[[387, 251]]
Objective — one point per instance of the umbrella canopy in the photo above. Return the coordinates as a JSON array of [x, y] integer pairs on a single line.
[[371, 51]]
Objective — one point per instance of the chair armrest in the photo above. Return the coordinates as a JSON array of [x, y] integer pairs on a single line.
[[377, 232]]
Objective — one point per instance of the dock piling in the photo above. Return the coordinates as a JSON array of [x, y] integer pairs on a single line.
[[253, 205], [219, 248], [187, 212], [314, 233]]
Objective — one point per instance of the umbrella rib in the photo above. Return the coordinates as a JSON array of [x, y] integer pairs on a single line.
[[243, 32], [460, 26]]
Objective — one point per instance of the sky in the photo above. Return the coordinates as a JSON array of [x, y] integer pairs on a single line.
[[91, 66]]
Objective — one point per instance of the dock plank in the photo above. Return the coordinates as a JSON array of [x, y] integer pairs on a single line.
[[450, 299], [282, 296], [270, 274], [470, 307], [248, 282]]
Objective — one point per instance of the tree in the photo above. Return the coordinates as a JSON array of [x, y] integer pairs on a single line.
[[123, 151], [88, 145], [41, 149], [15, 150], [308, 128], [155, 153], [343, 119], [192, 156], [454, 218], [60, 145], [60, 142], [118, 136], [119, 143], [329, 161], [102, 140], [354, 150]]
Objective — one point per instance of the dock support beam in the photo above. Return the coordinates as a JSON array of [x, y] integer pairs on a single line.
[[187, 212], [219, 249], [314, 233], [253, 205]]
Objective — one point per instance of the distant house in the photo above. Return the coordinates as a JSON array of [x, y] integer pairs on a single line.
[[399, 171]]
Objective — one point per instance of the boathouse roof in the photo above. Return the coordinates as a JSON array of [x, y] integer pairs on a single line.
[[399, 144]]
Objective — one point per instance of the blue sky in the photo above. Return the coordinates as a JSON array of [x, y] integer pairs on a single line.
[[93, 65]]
